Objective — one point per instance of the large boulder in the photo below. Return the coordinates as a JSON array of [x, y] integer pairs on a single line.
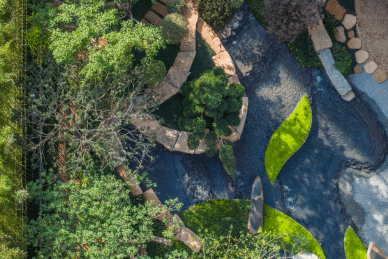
[[257, 206]]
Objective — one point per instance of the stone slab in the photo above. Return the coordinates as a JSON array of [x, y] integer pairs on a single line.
[[181, 144], [223, 60], [176, 229], [339, 82], [149, 196], [374, 252], [319, 37], [165, 91], [257, 205], [348, 96], [153, 18], [135, 189], [190, 239], [162, 241], [144, 21], [159, 8], [243, 114], [176, 76], [191, 16], [184, 60], [147, 126], [209, 35], [167, 137], [201, 148]]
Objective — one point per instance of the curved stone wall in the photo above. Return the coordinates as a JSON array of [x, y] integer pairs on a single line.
[[175, 140]]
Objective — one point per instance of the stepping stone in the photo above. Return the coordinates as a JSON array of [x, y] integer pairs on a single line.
[[351, 34], [184, 60], [348, 96], [380, 75], [153, 18], [374, 252], [165, 91], [181, 144], [319, 36], [370, 67], [223, 60], [354, 43], [358, 69], [159, 8], [149, 196], [176, 76], [349, 21], [361, 56], [147, 126], [190, 239], [191, 17], [135, 189], [334, 8], [257, 206], [209, 36], [167, 137], [339, 35], [176, 228], [144, 21]]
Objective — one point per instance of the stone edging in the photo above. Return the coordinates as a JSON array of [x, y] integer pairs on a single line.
[[175, 140], [304, 139]]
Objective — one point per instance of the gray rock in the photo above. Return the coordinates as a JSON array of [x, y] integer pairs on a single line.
[[337, 79], [239, 16], [234, 24], [257, 206]]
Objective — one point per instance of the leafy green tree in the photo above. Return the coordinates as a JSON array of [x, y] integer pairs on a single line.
[[209, 97], [174, 28], [96, 218], [176, 6], [75, 26]]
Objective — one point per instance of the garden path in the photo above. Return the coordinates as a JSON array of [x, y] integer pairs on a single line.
[[306, 189]]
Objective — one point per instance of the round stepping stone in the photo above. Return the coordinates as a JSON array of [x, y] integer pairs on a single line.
[[339, 35], [349, 21], [358, 69], [354, 43], [334, 8], [370, 67], [351, 34], [361, 56], [380, 75]]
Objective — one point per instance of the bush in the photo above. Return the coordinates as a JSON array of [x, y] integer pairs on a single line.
[[287, 20], [151, 73], [218, 13], [227, 158], [176, 6], [174, 28], [206, 102], [343, 59]]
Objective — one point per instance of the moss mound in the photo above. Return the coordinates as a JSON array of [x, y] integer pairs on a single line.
[[354, 249]]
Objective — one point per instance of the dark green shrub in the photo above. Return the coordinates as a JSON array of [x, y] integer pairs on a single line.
[[233, 119], [218, 13], [174, 28], [343, 59], [151, 73], [257, 8], [233, 105], [287, 19], [227, 158], [206, 104], [176, 6]]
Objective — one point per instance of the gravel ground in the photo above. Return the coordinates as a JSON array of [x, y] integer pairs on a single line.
[[345, 138]]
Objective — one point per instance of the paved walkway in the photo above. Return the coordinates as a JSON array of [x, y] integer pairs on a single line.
[[343, 137]]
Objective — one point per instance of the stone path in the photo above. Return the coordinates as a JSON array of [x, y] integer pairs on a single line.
[[306, 189]]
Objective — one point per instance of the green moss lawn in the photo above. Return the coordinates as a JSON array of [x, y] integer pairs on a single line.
[[354, 249], [218, 215], [287, 139]]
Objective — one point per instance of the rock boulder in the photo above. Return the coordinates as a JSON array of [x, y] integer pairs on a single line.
[[257, 205]]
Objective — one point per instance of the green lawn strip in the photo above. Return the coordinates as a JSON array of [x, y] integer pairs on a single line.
[[279, 222], [217, 215], [288, 138], [354, 249]]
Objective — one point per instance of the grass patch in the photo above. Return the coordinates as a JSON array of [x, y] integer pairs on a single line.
[[279, 222], [354, 249], [287, 139], [218, 215], [170, 111]]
